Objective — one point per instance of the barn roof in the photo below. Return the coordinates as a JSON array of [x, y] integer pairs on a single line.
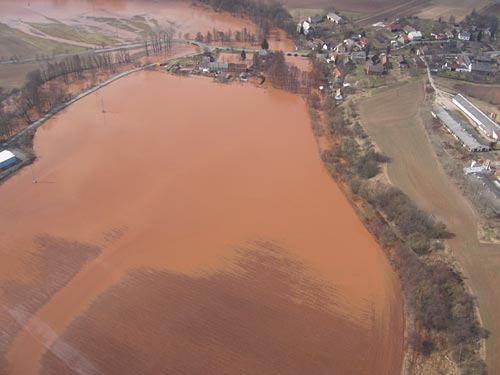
[[6, 155]]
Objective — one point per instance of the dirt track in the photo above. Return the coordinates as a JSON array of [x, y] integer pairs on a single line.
[[392, 119]]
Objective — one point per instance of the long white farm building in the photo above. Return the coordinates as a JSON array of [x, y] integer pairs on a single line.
[[459, 130], [489, 127], [7, 158]]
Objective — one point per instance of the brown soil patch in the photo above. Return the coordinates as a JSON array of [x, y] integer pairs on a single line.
[[362, 6], [392, 117], [486, 93], [457, 8], [182, 170]]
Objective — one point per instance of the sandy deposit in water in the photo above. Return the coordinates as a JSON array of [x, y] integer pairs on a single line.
[[177, 16], [217, 242]]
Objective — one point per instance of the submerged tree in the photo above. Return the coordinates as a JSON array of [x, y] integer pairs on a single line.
[[265, 44]]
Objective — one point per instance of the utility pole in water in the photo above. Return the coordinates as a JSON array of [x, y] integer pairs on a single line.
[[33, 178]]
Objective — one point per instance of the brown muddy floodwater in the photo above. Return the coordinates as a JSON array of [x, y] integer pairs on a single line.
[[189, 229]]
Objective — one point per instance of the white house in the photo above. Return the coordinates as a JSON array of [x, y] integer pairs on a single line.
[[315, 19], [304, 26], [464, 35], [415, 35], [333, 17]]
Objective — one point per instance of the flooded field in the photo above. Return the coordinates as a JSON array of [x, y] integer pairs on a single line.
[[180, 16], [190, 227]]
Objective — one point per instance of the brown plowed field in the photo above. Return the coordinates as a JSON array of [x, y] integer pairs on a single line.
[[380, 10], [225, 245], [393, 119], [485, 93], [361, 6]]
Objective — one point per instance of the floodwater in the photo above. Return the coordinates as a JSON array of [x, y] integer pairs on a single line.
[[189, 224], [177, 17]]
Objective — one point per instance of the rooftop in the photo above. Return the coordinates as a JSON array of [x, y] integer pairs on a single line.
[[6, 155], [334, 16], [459, 129], [484, 67], [488, 123]]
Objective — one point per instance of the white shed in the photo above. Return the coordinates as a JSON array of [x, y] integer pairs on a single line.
[[7, 158], [333, 17], [415, 35]]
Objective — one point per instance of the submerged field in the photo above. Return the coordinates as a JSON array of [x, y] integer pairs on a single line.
[[206, 237]]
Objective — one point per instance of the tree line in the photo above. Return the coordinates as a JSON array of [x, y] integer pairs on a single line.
[[265, 14], [158, 42], [45, 88], [243, 35]]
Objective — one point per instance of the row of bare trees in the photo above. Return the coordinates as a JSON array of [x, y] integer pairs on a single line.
[[244, 36], [265, 14], [282, 75], [158, 43], [45, 88]]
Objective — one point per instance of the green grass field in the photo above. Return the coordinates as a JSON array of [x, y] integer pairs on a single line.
[[16, 43], [74, 33]]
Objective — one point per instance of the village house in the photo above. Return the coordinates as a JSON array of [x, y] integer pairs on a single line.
[[218, 67], [374, 69], [449, 34], [453, 66], [464, 35], [315, 19], [358, 57], [438, 36], [333, 17], [415, 35], [409, 29], [340, 48], [338, 76], [339, 95], [394, 27], [400, 60], [384, 60], [403, 39], [364, 41], [334, 56], [352, 45], [304, 27], [463, 60], [204, 63]]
